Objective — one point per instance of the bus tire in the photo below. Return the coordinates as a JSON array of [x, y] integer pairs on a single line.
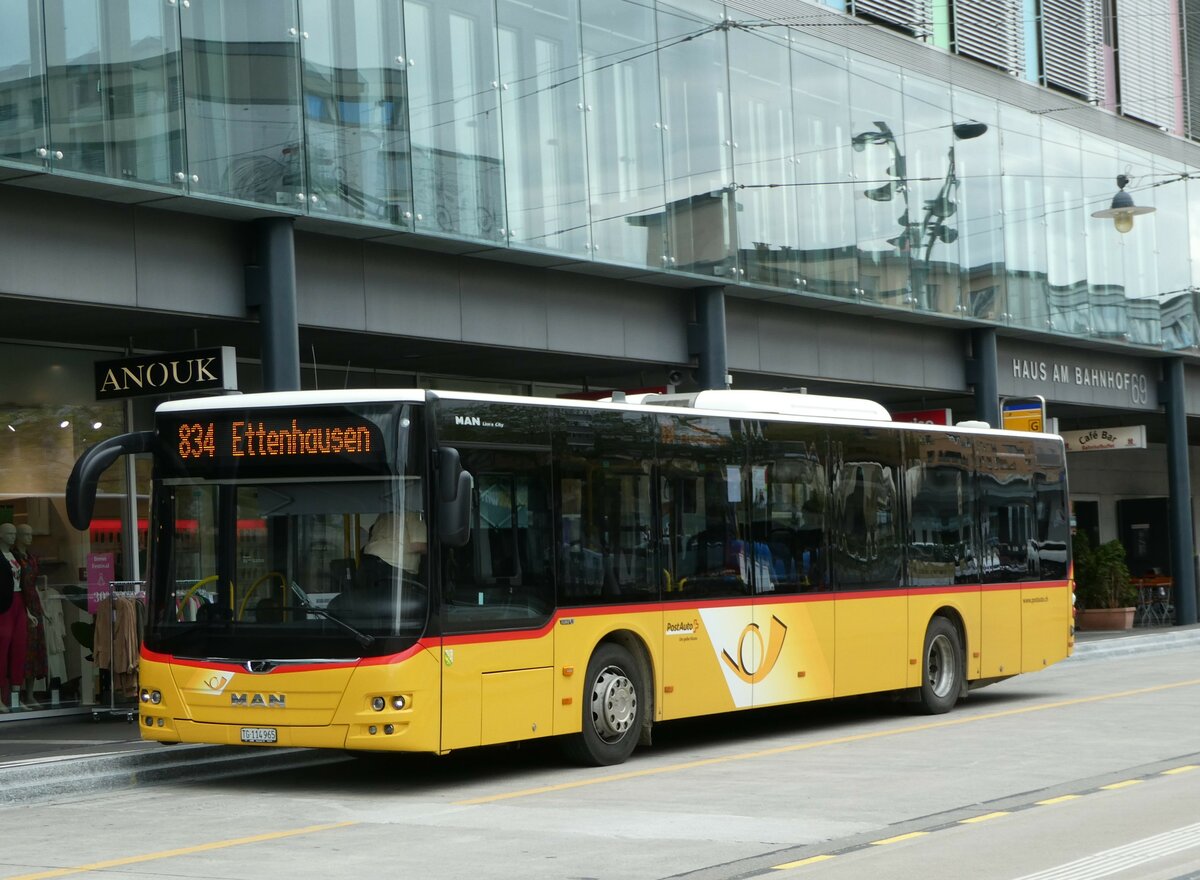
[[941, 667], [613, 702]]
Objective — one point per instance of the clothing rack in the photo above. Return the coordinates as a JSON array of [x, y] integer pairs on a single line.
[[132, 590]]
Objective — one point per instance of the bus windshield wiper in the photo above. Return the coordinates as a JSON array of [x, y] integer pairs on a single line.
[[302, 597], [359, 636]]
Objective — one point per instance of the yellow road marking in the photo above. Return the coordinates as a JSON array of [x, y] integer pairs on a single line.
[[809, 861], [1125, 784], [1058, 800], [985, 817], [816, 744], [1184, 769], [898, 838], [183, 851]]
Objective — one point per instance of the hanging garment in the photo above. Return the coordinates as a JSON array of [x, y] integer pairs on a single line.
[[56, 634]]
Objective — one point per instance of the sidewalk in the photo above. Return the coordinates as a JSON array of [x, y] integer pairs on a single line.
[[74, 754]]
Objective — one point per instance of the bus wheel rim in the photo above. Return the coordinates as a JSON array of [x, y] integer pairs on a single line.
[[939, 665], [614, 704]]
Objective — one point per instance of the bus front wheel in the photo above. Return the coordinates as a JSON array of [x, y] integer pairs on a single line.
[[612, 706], [942, 673]]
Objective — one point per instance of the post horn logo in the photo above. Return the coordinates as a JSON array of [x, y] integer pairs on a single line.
[[755, 675]]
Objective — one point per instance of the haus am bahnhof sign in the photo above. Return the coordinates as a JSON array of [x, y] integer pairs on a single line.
[[1069, 375]]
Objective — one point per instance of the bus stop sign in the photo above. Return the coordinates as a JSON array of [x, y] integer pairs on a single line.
[[1024, 414]]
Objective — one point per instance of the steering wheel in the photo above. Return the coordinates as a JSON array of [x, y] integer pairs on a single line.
[[179, 605], [254, 588]]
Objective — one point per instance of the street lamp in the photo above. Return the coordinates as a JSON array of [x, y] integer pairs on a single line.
[[1122, 210]]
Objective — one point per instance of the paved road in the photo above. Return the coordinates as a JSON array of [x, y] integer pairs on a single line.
[[731, 797]]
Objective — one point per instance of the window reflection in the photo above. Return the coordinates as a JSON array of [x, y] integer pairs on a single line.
[[695, 100], [113, 83], [759, 73], [1065, 251], [22, 96], [980, 224], [624, 133], [881, 208], [542, 105], [355, 110], [1024, 219], [827, 261], [1141, 263], [458, 175], [243, 100]]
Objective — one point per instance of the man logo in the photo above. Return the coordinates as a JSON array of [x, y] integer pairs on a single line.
[[743, 669], [270, 701], [468, 420]]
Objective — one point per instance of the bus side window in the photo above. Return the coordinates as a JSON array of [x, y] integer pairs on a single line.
[[705, 516], [1008, 524], [606, 550], [864, 487], [789, 498], [941, 509], [503, 577]]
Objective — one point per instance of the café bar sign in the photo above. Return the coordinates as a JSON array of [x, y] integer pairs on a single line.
[[202, 371], [1096, 439]]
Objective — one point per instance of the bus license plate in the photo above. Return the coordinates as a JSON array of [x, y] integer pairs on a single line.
[[259, 735]]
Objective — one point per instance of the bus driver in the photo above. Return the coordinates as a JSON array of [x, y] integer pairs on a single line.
[[390, 568]]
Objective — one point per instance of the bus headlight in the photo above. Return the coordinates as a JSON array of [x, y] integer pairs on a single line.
[[398, 702], [378, 703]]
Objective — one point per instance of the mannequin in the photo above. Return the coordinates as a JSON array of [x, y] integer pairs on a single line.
[[35, 651], [14, 619]]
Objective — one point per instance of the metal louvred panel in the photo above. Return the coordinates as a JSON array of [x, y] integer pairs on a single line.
[[793, 13], [991, 31], [1147, 49], [911, 16], [1072, 39], [1191, 35]]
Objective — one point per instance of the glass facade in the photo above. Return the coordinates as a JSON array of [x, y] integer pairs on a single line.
[[658, 136], [47, 418]]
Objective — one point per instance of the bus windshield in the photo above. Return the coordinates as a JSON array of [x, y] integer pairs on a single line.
[[289, 562]]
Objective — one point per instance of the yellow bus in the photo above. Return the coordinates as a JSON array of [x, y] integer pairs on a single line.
[[428, 571]]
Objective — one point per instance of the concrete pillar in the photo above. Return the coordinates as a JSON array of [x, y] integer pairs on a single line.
[[271, 289], [1179, 488], [983, 375], [706, 338]]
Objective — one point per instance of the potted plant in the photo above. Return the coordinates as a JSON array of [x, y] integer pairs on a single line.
[[1105, 597]]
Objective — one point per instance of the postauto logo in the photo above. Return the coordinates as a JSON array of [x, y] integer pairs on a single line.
[[746, 654]]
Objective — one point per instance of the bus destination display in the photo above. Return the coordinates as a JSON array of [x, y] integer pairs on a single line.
[[204, 442]]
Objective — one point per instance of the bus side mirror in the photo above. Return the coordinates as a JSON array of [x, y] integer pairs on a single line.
[[455, 491], [85, 476]]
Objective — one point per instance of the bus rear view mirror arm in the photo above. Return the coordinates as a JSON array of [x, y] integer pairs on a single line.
[[455, 491], [85, 476]]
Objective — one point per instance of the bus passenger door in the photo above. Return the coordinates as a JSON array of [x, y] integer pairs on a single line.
[[497, 591], [941, 525], [871, 608], [1004, 471], [709, 646], [793, 611]]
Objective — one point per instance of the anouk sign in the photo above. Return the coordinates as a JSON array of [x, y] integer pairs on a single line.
[[204, 370]]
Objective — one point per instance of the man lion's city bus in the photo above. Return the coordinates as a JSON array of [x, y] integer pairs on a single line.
[[425, 571]]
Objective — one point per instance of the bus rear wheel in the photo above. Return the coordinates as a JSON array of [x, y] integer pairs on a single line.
[[612, 709], [942, 667]]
